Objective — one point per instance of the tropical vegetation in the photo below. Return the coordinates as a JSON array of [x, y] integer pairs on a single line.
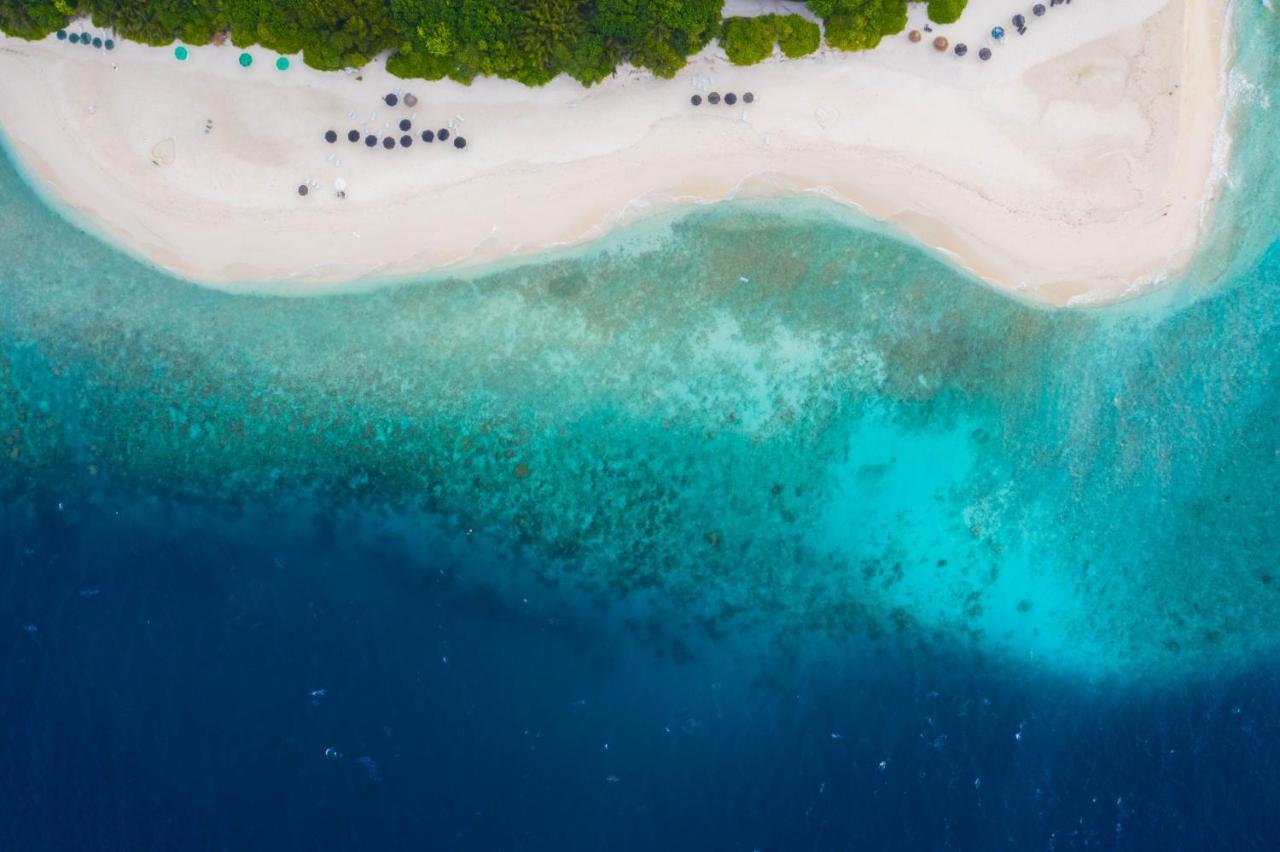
[[531, 41], [749, 40]]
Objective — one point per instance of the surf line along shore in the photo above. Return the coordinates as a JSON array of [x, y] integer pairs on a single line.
[[1076, 165]]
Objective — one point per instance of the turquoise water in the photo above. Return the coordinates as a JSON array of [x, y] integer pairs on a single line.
[[854, 441], [747, 527]]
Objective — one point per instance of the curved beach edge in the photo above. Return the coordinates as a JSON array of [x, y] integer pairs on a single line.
[[1076, 167]]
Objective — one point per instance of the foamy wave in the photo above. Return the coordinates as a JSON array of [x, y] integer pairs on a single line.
[[1243, 91]]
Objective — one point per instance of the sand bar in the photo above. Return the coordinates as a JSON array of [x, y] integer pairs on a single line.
[[1075, 166]]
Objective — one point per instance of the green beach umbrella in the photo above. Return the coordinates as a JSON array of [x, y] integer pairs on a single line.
[[245, 60], [282, 64], [180, 52]]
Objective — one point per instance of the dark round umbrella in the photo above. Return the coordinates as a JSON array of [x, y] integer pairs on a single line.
[[1019, 21], [961, 49], [713, 98], [97, 42], [353, 135], [406, 140], [330, 136], [1037, 9], [731, 99], [370, 141], [302, 189], [388, 143], [984, 54], [75, 38], [391, 100], [404, 124], [696, 100], [109, 44], [85, 40], [459, 142], [428, 136], [442, 134], [748, 98], [62, 35]]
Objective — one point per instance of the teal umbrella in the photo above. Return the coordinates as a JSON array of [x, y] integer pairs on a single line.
[[180, 52], [282, 64], [245, 60]]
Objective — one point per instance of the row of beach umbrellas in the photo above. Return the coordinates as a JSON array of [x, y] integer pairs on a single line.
[[246, 59], [87, 40], [389, 142], [730, 98], [1019, 24], [371, 140]]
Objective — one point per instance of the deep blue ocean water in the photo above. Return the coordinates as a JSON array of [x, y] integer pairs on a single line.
[[750, 527]]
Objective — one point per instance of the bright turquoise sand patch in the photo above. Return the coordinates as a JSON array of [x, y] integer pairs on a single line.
[[763, 416]]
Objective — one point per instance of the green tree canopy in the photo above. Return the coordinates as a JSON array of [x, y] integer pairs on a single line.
[[527, 40], [860, 24], [946, 11], [749, 40]]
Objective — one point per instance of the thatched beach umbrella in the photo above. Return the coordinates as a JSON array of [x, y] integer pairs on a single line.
[[696, 100], [405, 124], [428, 136], [442, 134], [353, 135], [940, 43], [391, 99], [460, 142], [731, 99], [388, 143], [914, 36]]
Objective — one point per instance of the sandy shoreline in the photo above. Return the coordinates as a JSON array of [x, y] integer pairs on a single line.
[[1073, 167]]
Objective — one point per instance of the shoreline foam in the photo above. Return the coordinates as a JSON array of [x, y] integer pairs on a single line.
[[1074, 167]]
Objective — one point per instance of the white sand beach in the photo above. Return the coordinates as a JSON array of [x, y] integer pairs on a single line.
[[1074, 166]]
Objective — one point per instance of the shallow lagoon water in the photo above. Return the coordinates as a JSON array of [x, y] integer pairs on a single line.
[[746, 527]]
